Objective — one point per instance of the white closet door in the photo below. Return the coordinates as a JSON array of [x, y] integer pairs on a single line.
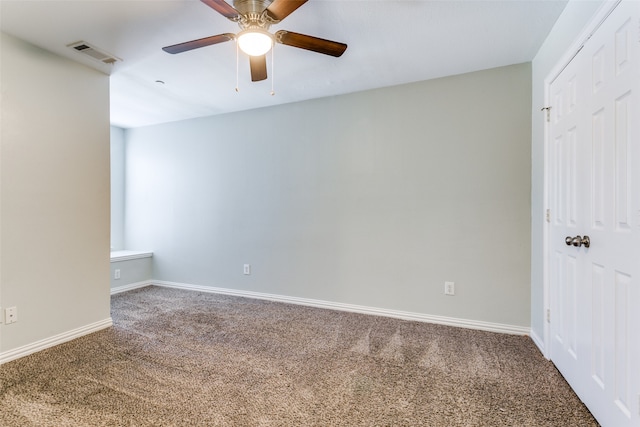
[[594, 191]]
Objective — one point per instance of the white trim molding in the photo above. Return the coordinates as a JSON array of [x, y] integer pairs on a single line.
[[117, 256], [404, 315], [130, 287], [539, 342], [28, 349]]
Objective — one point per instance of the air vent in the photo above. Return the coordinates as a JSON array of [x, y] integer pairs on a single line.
[[93, 52]]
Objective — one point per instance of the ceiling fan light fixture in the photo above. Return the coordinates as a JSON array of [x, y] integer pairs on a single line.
[[255, 42]]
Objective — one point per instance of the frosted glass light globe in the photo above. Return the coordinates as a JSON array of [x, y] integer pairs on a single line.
[[255, 42]]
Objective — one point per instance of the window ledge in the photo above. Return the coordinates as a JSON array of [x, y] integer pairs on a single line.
[[129, 255]]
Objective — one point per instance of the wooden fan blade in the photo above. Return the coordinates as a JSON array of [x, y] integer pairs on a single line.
[[314, 44], [258, 68], [280, 9], [223, 8], [195, 44]]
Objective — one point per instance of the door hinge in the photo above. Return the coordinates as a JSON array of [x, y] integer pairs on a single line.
[[548, 215], [548, 110], [548, 315]]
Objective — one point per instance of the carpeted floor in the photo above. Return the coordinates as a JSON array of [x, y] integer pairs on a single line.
[[180, 358]]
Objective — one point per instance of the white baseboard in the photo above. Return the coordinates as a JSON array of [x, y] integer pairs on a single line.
[[405, 315], [539, 342], [28, 349], [441, 320], [131, 286]]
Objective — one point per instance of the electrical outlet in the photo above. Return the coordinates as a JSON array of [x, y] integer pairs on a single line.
[[247, 269], [449, 288], [116, 274], [10, 315]]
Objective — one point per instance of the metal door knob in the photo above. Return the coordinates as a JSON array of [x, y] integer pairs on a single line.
[[578, 241]]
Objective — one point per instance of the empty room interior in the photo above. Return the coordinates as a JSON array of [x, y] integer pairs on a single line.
[[406, 212]]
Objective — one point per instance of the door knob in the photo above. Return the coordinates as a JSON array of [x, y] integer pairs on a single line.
[[578, 241]]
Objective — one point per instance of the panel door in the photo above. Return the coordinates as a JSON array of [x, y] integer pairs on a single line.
[[594, 144]]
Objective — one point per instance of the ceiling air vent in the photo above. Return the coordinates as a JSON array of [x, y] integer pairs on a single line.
[[93, 52]]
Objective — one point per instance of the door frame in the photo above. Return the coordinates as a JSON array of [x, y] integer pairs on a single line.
[[594, 24]]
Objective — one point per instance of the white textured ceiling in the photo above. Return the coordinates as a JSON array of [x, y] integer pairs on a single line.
[[390, 43]]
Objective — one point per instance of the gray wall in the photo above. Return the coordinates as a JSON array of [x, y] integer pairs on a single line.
[[374, 198], [54, 194], [132, 271], [117, 188], [568, 27]]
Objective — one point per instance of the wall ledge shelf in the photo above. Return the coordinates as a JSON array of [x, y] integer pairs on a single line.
[[117, 256]]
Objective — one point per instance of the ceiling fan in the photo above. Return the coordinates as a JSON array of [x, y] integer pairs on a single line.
[[254, 18]]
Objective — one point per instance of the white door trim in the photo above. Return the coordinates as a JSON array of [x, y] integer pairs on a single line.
[[596, 21]]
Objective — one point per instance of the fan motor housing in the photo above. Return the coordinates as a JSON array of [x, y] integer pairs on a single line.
[[251, 8]]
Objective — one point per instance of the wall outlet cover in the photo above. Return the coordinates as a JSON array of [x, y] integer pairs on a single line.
[[449, 288], [10, 315]]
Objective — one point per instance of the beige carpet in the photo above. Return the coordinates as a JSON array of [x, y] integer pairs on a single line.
[[180, 358]]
